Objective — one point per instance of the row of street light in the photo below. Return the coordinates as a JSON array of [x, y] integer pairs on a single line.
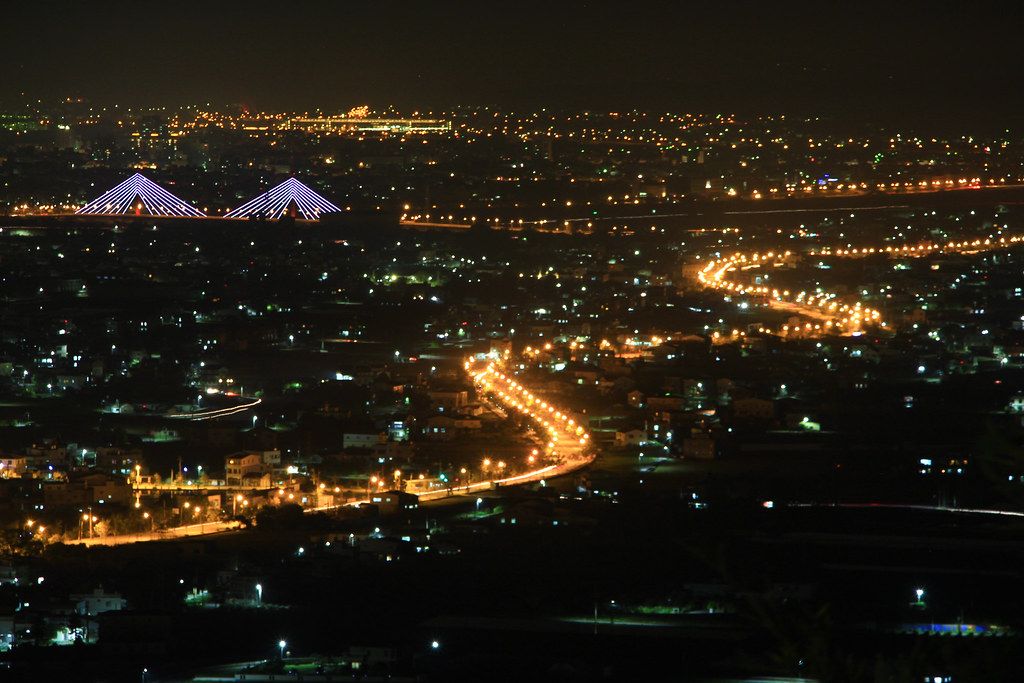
[[553, 421], [827, 304]]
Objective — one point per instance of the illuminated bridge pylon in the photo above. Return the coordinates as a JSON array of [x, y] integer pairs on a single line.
[[290, 196], [141, 196]]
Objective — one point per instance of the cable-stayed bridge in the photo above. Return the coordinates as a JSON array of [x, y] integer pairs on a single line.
[[289, 197], [136, 195], [140, 196]]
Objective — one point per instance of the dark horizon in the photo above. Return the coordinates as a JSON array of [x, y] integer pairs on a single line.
[[913, 62]]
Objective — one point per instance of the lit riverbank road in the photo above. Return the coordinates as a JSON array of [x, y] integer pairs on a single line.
[[161, 535], [568, 442]]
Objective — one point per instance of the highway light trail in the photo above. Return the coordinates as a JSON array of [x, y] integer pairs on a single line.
[[486, 484], [527, 476], [899, 506], [218, 412]]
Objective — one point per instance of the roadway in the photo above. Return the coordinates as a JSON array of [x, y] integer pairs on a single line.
[[248, 403], [161, 535], [569, 443]]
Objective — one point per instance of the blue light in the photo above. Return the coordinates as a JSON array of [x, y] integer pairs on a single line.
[[274, 202], [157, 201]]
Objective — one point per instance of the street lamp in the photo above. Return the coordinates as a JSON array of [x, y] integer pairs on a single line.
[[259, 593], [281, 644], [87, 517]]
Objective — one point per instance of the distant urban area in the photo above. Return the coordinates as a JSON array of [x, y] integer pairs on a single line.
[[374, 395]]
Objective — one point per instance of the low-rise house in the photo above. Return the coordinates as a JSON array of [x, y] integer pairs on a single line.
[[97, 602], [632, 437], [87, 490], [238, 467], [393, 502], [635, 399], [757, 408]]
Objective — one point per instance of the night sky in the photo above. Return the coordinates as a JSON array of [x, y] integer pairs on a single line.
[[935, 60]]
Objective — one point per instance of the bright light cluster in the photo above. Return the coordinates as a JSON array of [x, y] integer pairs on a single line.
[[153, 200], [273, 203]]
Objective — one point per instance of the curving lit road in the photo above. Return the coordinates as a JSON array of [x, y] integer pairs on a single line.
[[568, 441], [832, 310]]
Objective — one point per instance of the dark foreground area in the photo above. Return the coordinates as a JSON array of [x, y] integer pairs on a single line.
[[548, 585]]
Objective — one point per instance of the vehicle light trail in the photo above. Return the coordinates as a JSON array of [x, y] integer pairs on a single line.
[[899, 506], [218, 412]]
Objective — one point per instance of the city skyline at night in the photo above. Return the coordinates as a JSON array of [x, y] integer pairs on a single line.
[[552, 342]]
